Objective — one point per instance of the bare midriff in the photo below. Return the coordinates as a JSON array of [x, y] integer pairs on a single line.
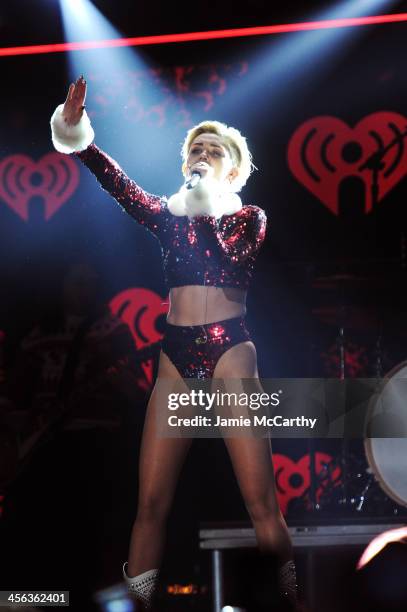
[[197, 305]]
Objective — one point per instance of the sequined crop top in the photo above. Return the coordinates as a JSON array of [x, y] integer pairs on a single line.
[[201, 251]]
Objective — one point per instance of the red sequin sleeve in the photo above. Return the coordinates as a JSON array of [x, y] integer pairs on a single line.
[[146, 208], [242, 240]]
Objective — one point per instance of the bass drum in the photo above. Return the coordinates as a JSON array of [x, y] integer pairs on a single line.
[[387, 417]]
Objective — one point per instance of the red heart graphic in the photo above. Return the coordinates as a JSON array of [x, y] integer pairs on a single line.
[[58, 174], [324, 150], [139, 308], [285, 468]]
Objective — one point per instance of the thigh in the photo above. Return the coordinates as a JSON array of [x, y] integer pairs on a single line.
[[253, 467], [240, 361], [161, 458], [251, 456]]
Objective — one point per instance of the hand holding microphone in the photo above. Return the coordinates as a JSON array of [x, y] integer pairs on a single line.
[[201, 194], [193, 180], [198, 171]]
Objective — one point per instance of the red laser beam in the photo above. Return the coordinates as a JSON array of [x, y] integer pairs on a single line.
[[209, 35]]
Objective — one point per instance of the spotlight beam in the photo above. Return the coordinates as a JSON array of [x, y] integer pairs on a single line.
[[160, 39]]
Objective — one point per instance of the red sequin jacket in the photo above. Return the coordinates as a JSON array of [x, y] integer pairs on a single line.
[[202, 251]]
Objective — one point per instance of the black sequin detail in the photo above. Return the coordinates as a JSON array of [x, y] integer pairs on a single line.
[[196, 349]]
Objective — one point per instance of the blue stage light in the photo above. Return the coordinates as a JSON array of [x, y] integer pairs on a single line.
[[301, 56]]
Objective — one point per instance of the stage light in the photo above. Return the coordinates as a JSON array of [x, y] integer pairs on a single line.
[[300, 58], [115, 599], [378, 544], [182, 589], [122, 89], [82, 21], [163, 39], [123, 95]]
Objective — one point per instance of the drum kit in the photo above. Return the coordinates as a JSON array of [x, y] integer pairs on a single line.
[[372, 474]]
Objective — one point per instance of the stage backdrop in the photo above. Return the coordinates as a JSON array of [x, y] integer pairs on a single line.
[[313, 117]]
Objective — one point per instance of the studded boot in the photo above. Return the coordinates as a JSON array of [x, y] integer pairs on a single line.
[[142, 586]]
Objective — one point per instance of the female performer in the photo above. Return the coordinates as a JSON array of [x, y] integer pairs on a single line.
[[210, 242]]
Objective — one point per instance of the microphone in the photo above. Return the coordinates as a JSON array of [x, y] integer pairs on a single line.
[[194, 180]]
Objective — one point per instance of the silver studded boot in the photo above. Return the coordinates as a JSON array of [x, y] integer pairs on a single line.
[[142, 586]]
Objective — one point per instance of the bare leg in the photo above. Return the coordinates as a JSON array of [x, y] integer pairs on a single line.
[[252, 463], [253, 467], [161, 460]]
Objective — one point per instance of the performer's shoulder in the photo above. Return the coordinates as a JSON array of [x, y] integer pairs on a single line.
[[253, 211]]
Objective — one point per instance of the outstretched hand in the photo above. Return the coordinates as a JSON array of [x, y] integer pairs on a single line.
[[75, 101]]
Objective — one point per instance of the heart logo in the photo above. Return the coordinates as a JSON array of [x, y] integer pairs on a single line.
[[324, 151], [293, 478], [54, 178], [140, 308]]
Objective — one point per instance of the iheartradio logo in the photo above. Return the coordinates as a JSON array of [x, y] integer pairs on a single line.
[[324, 151], [293, 477], [54, 178], [140, 309]]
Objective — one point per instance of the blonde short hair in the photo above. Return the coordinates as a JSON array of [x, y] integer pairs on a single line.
[[234, 142]]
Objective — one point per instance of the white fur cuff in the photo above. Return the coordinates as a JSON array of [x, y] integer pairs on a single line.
[[70, 138]]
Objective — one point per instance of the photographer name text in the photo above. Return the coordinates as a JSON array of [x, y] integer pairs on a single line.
[[253, 421]]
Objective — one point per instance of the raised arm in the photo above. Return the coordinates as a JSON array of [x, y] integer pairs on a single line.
[[146, 208], [244, 238], [72, 133]]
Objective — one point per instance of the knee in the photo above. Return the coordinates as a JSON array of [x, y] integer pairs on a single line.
[[263, 509], [152, 510]]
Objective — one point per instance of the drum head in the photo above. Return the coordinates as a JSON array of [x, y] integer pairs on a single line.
[[387, 456]]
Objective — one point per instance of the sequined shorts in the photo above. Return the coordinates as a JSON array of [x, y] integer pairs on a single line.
[[195, 350]]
